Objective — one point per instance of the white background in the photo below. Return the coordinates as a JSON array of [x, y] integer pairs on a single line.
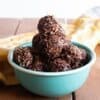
[[38, 8]]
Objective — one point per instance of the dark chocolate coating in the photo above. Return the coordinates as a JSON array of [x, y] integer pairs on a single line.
[[48, 24], [23, 57], [74, 55], [38, 64], [59, 64], [49, 46]]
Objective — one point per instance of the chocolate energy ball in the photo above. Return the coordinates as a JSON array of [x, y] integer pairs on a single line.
[[58, 65], [23, 57], [36, 42], [50, 51], [48, 24], [75, 56], [49, 46], [39, 66]]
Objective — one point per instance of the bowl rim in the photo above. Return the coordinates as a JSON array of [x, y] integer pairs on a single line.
[[38, 73]]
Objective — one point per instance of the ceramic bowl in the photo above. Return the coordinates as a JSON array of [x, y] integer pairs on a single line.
[[53, 84]]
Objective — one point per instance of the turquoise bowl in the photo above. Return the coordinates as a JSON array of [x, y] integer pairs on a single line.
[[53, 84]]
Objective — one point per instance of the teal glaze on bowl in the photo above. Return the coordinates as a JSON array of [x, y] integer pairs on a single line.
[[53, 83]]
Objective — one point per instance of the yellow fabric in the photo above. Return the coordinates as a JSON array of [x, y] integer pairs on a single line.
[[6, 71]]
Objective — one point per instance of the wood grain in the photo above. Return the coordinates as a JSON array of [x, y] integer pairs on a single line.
[[8, 27], [27, 25], [19, 93], [91, 89]]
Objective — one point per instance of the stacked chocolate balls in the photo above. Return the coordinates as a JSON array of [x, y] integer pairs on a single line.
[[50, 51]]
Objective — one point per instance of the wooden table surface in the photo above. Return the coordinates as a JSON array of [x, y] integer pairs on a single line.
[[89, 91]]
